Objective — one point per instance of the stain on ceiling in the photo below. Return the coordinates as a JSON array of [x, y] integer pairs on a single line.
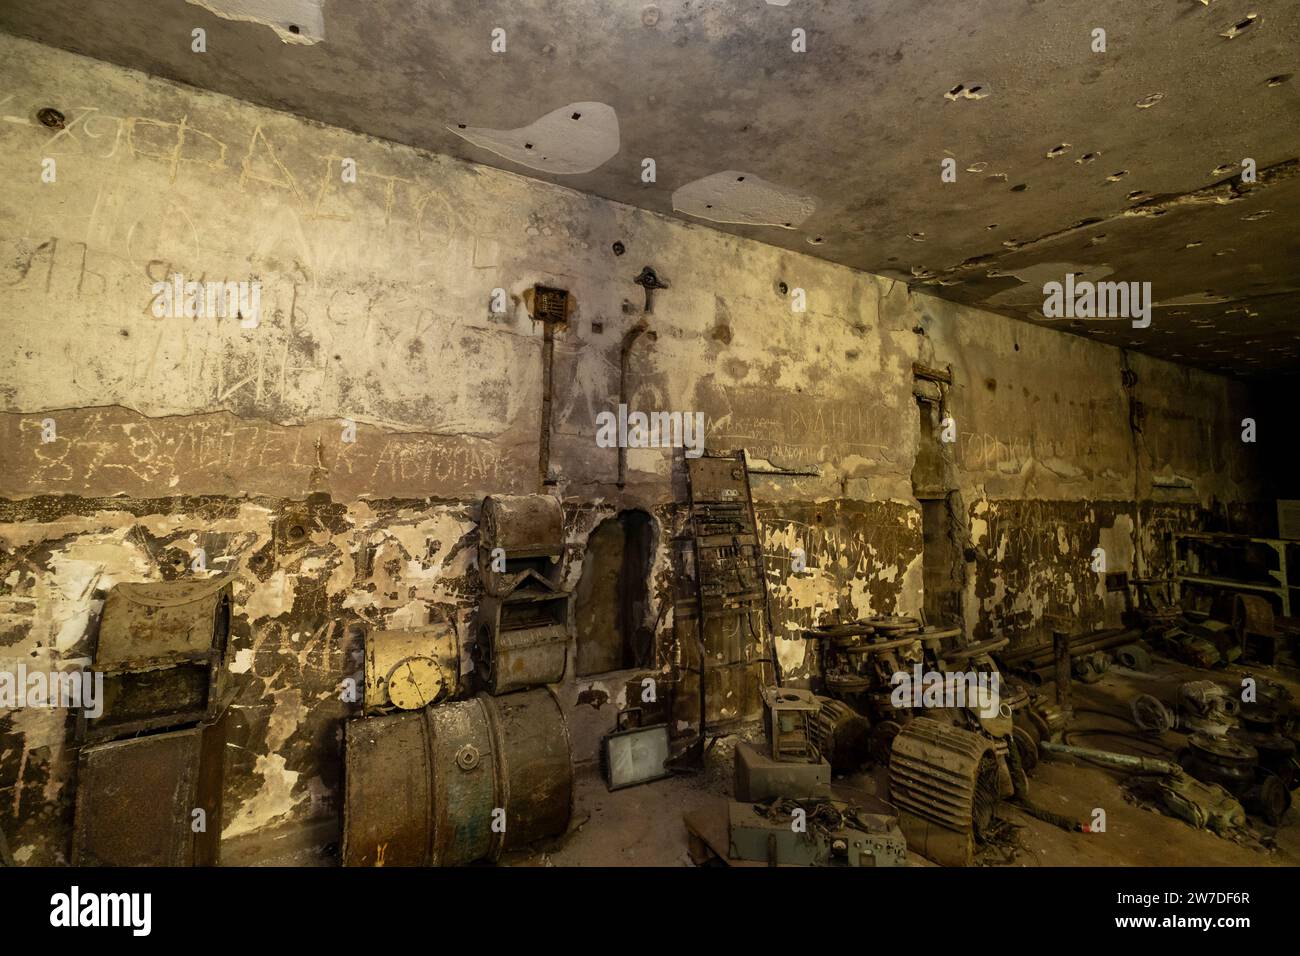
[[1117, 166]]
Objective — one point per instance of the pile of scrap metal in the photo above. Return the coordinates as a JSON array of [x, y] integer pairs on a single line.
[[1204, 805], [1254, 633], [1245, 747], [436, 777], [783, 812], [950, 762], [1090, 656], [161, 648]]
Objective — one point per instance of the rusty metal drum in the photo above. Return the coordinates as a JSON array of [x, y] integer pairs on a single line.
[[457, 783]]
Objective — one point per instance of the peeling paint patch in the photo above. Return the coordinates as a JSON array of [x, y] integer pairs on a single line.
[[294, 21], [572, 139], [273, 800], [740, 197]]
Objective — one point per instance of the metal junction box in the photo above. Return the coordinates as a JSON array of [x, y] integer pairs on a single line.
[[866, 839], [759, 777]]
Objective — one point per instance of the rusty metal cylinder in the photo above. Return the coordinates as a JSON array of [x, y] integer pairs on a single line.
[[457, 783]]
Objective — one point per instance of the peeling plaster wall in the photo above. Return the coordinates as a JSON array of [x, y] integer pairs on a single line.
[[181, 433]]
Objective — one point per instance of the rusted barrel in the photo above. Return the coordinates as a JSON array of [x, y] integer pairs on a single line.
[[456, 783]]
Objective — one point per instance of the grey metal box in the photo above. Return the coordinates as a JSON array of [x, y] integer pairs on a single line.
[[760, 778]]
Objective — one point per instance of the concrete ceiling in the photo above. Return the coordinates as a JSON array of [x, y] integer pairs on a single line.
[[1122, 165]]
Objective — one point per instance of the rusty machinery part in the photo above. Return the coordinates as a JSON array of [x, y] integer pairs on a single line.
[[1191, 649], [510, 660], [944, 782], [1090, 668], [467, 757], [1151, 714], [158, 624], [428, 788], [876, 645], [842, 735], [788, 713], [892, 623], [136, 799], [881, 739], [837, 834], [1268, 799], [1133, 656], [530, 525], [411, 668], [838, 632], [932, 632], [1207, 707], [977, 650], [1026, 747], [1277, 754], [1252, 614], [529, 531], [1228, 762], [839, 682], [161, 647], [1206, 806]]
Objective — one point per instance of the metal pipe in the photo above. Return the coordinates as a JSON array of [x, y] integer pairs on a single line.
[[1061, 648], [629, 339], [1123, 761]]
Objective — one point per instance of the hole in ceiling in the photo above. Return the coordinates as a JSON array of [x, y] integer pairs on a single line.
[[1223, 169], [1278, 80], [1137, 194], [977, 167], [618, 248], [1019, 187], [1256, 216], [1058, 150], [293, 28], [916, 236], [816, 241], [992, 225], [1116, 177], [1086, 158], [1149, 101], [576, 116], [1240, 27]]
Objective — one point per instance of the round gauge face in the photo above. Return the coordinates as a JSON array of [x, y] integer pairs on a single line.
[[416, 682]]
